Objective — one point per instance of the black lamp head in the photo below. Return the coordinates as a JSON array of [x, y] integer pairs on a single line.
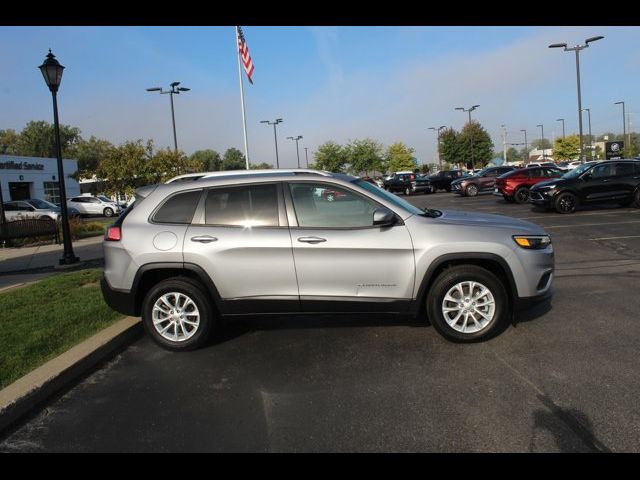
[[52, 72]]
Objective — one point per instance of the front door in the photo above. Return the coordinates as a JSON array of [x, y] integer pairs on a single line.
[[599, 183], [342, 261], [240, 237]]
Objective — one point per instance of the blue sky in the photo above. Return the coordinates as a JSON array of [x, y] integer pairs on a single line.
[[328, 83]]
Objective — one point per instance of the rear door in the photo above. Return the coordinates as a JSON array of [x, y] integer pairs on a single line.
[[240, 237], [343, 262], [624, 181]]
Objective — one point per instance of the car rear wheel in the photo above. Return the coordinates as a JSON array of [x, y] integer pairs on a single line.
[[108, 212], [467, 303], [177, 314], [566, 203], [636, 198], [521, 195], [471, 191], [407, 191], [331, 197]]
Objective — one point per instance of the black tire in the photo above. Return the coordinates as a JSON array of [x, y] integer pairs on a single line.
[[448, 189], [108, 212], [461, 273], [197, 294], [407, 192], [471, 190], [566, 203], [636, 198], [521, 195], [508, 199]]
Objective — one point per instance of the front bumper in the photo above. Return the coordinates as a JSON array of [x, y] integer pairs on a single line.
[[457, 188], [541, 199]]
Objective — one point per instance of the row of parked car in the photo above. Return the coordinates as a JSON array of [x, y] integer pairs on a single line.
[[76, 206], [545, 185]]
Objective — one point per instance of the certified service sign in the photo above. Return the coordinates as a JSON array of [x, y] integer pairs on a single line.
[[613, 150]]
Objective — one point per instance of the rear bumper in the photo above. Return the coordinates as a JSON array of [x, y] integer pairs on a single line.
[[119, 300]]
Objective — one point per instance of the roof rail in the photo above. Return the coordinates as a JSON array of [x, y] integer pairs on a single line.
[[229, 173]]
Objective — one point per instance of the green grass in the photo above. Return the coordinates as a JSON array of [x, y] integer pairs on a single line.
[[43, 320]]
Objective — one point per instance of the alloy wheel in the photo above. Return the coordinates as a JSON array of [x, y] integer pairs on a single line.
[[175, 317], [468, 307]]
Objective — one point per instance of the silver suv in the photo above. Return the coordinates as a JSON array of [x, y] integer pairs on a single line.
[[185, 254]]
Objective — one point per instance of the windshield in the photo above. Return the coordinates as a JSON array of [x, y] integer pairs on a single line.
[[576, 172], [389, 197], [482, 172], [105, 199], [42, 204]]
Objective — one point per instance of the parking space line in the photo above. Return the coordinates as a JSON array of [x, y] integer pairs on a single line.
[[617, 212], [589, 224], [615, 238]]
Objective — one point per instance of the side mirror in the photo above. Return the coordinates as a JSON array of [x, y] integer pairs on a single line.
[[384, 217]]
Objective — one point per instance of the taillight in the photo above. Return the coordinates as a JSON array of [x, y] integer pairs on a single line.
[[113, 234]]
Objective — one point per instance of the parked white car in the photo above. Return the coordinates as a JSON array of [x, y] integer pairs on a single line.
[[88, 205], [34, 208]]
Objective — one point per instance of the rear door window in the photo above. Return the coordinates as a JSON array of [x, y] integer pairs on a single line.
[[179, 208], [624, 170]]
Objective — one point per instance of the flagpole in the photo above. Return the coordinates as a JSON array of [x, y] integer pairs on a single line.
[[244, 119]]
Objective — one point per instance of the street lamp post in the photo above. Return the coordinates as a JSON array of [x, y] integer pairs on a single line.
[[52, 72], [542, 140], [473, 167], [306, 155], [561, 120], [275, 135], [504, 143], [624, 125], [437, 130], [588, 110], [577, 49], [173, 91], [297, 151], [526, 146]]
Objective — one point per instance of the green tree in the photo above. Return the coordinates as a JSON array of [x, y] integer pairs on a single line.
[[167, 163], [330, 157], [261, 166], [514, 155], [209, 160], [476, 145], [540, 143], [9, 142], [90, 153], [400, 157], [450, 147], [233, 159], [37, 139], [364, 156], [126, 167], [567, 148]]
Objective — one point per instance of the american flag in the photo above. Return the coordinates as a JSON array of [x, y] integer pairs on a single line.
[[244, 54]]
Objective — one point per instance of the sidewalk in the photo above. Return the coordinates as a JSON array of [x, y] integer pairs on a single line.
[[31, 258]]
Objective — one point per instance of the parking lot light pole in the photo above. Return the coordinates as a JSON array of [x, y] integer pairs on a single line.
[[526, 146], [297, 150], [588, 110], [174, 91], [306, 155], [561, 120], [473, 167], [542, 140], [437, 130], [52, 72], [275, 136], [577, 49], [624, 124]]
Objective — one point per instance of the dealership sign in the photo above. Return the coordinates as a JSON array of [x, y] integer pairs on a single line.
[[21, 166], [613, 150]]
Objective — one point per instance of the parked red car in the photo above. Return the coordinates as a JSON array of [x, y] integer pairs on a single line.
[[333, 195], [514, 186]]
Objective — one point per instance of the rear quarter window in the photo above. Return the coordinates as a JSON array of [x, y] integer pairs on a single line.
[[178, 208]]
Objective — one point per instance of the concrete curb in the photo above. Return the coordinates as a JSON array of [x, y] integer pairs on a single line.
[[32, 390]]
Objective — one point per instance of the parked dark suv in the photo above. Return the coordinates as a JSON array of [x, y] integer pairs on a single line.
[[615, 181], [408, 183], [442, 180], [483, 181]]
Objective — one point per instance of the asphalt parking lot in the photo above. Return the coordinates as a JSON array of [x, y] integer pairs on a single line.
[[564, 378]]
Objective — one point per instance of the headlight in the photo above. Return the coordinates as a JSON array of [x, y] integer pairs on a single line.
[[546, 188], [532, 242]]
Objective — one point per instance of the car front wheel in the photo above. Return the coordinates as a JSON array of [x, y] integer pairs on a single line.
[[467, 303], [566, 203], [636, 198], [407, 191], [471, 191], [108, 212], [177, 314]]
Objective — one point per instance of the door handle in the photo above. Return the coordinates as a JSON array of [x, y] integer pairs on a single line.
[[311, 239], [204, 239]]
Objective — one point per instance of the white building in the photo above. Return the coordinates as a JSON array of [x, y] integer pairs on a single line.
[[22, 178]]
